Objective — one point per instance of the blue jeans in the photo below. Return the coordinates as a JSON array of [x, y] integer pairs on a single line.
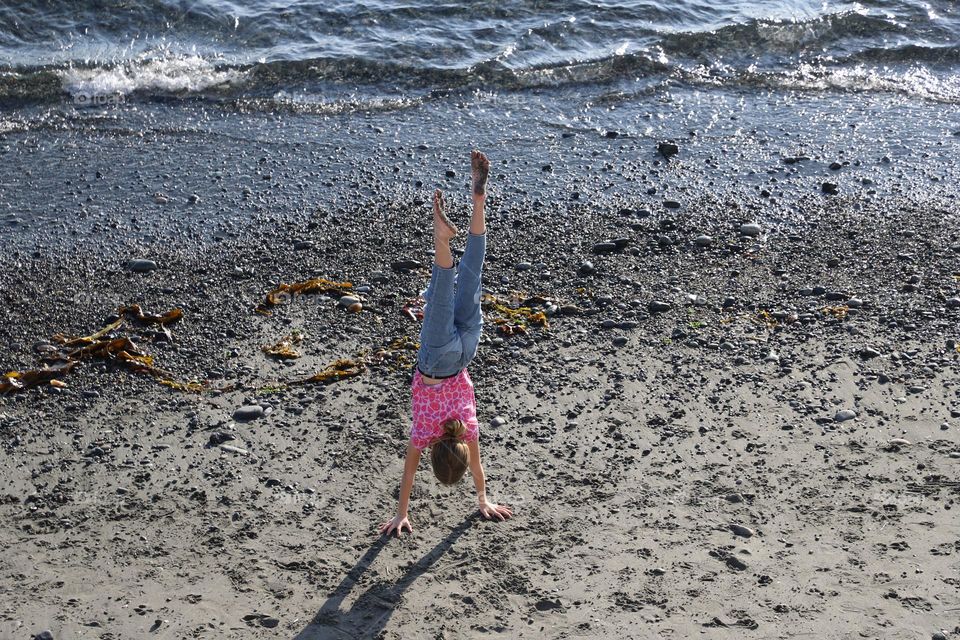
[[452, 321]]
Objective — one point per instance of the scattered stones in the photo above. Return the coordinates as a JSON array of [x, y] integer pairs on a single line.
[[248, 412], [141, 265], [659, 306], [844, 414], [750, 229]]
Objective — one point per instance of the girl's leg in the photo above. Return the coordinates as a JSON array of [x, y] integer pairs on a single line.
[[467, 314], [438, 329]]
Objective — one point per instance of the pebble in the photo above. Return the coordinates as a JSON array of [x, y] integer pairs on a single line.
[[869, 352], [668, 149], [302, 245], [141, 265], [498, 421], [604, 247], [233, 449], [523, 266], [898, 442], [671, 204], [248, 412], [46, 634], [750, 229], [546, 604], [348, 301], [619, 341], [703, 241], [742, 531], [587, 268], [845, 414], [160, 198], [953, 303], [659, 306], [830, 188]]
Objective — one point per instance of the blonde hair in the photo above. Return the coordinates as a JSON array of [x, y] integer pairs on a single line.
[[449, 456]]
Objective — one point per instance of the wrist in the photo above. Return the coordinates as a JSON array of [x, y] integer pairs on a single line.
[[482, 499]]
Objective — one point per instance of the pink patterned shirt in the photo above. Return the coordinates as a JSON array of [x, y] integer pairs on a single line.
[[433, 404]]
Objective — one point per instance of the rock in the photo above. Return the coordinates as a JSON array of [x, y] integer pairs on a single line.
[[523, 266], [728, 302], [736, 563], [546, 604], [869, 352], [498, 421], [619, 341], [160, 198], [194, 199], [303, 245], [347, 301], [609, 324], [604, 247], [406, 265], [659, 306], [612, 134], [671, 204], [830, 188], [587, 268], [742, 531], [46, 634], [895, 444], [141, 265], [451, 173], [835, 166], [703, 241], [953, 303], [269, 622], [668, 149], [940, 635], [356, 307], [233, 449], [219, 437], [844, 414], [750, 229], [248, 412]]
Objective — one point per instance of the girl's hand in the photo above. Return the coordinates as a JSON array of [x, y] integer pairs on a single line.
[[397, 523], [492, 511]]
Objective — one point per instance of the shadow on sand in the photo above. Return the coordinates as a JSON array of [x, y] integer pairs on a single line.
[[371, 611]]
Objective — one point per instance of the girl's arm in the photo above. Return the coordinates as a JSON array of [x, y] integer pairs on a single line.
[[487, 509], [400, 520]]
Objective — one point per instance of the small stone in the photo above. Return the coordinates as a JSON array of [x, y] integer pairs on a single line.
[[612, 134], [141, 265], [160, 198], [451, 173], [248, 412], [194, 199], [896, 443], [844, 414], [356, 307], [303, 245], [659, 306], [703, 241], [233, 449], [347, 301], [587, 268], [869, 352], [742, 531], [46, 634], [406, 265], [498, 421], [269, 622], [547, 605], [668, 149], [604, 247], [523, 266], [953, 303], [750, 229], [835, 166], [830, 188], [608, 324], [671, 204], [619, 341]]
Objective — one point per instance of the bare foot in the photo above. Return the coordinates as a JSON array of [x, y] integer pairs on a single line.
[[480, 167], [443, 229]]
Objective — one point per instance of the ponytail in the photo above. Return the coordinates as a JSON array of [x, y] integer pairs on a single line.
[[454, 429]]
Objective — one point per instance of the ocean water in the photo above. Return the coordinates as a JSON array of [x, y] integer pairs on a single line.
[[160, 95], [315, 51]]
